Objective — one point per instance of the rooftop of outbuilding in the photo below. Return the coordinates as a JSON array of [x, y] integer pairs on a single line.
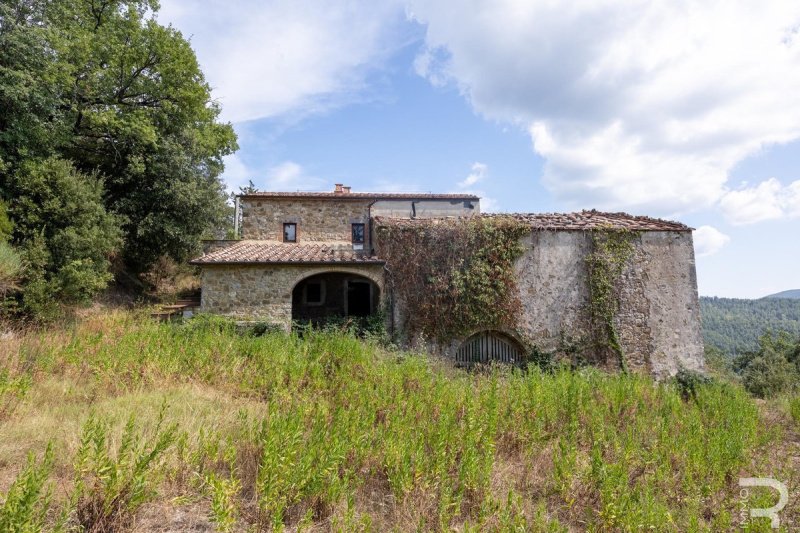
[[361, 195], [592, 219], [267, 252], [579, 221]]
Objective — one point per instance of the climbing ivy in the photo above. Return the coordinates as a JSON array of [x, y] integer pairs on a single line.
[[612, 250], [453, 276]]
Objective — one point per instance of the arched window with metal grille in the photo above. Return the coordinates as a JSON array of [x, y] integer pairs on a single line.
[[487, 346]]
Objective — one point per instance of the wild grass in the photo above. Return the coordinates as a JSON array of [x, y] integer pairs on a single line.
[[331, 432], [794, 409]]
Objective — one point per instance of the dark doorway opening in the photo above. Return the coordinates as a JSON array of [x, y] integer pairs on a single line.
[[359, 301], [329, 297]]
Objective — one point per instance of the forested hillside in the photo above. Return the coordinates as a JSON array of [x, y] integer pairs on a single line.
[[793, 293], [734, 325]]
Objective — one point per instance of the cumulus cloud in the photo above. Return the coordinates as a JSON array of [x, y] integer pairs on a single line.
[[236, 173], [479, 171], [767, 201], [641, 105], [708, 240], [290, 176], [266, 59]]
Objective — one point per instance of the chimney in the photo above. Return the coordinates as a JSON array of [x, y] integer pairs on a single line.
[[346, 190], [339, 188]]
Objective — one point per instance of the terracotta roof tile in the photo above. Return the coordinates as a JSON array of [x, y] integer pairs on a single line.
[[261, 252], [593, 219], [584, 220], [362, 195]]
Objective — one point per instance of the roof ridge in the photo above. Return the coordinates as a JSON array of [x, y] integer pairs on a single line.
[[359, 195], [579, 220]]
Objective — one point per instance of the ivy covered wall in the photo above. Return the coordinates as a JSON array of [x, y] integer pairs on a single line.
[[617, 299]]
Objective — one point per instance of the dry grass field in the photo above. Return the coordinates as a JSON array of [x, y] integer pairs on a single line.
[[117, 423]]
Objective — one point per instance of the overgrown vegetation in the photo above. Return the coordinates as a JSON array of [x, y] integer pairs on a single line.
[[612, 250], [772, 369], [453, 276], [110, 149], [331, 431]]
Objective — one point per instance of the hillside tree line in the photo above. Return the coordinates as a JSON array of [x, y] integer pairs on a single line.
[[735, 325], [111, 149]]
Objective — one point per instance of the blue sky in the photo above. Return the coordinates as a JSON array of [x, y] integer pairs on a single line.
[[657, 108]]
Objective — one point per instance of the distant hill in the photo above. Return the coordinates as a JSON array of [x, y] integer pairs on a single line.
[[792, 294], [734, 325]]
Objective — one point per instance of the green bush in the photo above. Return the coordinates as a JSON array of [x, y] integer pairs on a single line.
[[64, 233], [10, 267], [689, 382], [773, 368], [6, 227]]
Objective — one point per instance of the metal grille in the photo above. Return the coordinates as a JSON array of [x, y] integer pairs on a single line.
[[488, 346]]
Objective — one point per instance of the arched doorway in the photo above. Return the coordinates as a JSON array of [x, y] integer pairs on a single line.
[[321, 297], [487, 346]]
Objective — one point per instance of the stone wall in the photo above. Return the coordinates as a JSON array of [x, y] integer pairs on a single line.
[[659, 317], [264, 292], [658, 321], [318, 220], [669, 281], [329, 220]]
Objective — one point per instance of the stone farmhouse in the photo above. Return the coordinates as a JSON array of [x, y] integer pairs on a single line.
[[306, 256]]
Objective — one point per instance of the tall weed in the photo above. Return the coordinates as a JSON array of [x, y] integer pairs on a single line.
[[25, 506], [112, 484]]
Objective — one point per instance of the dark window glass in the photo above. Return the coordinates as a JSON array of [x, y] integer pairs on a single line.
[[358, 233], [314, 293], [290, 232]]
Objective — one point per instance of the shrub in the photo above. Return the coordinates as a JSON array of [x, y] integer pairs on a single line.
[[64, 231], [772, 369], [689, 382], [769, 374], [10, 267]]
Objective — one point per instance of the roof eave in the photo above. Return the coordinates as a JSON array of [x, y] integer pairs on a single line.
[[360, 196], [198, 262]]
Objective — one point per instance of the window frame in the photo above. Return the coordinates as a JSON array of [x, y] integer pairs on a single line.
[[363, 233], [294, 226], [321, 301]]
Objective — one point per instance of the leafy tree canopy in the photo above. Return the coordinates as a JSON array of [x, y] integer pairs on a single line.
[[99, 98]]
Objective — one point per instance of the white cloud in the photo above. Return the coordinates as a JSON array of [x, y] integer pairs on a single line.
[[479, 172], [708, 240], [768, 200], [641, 105], [289, 176], [266, 59], [236, 173]]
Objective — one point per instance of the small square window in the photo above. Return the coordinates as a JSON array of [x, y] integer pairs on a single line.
[[290, 232], [358, 233], [314, 293]]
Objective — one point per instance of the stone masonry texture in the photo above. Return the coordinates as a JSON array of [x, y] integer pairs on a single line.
[[658, 320]]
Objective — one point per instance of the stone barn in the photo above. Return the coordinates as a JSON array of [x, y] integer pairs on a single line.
[[610, 288]]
